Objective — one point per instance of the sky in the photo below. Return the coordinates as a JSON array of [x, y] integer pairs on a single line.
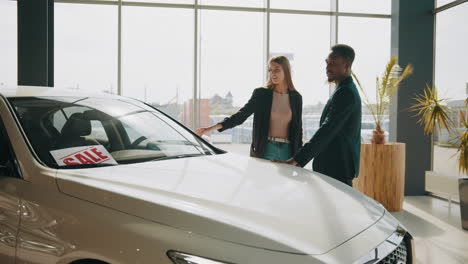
[[158, 48]]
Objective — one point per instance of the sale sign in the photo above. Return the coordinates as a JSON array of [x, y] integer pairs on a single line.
[[82, 155]]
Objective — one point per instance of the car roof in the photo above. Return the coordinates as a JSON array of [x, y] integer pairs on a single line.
[[40, 91]]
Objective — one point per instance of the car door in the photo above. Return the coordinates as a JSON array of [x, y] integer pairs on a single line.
[[9, 199]]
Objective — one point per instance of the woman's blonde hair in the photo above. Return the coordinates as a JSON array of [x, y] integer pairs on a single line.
[[286, 66]]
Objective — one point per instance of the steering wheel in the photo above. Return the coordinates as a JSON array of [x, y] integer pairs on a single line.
[[137, 141]]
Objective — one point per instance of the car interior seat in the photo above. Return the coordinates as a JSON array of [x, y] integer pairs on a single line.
[[74, 132]]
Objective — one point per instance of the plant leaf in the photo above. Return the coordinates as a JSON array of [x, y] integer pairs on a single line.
[[431, 112], [385, 88]]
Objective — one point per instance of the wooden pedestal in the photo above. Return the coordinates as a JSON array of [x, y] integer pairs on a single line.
[[382, 174]]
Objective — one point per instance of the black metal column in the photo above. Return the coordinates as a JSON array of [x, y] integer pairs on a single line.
[[36, 42], [412, 43]]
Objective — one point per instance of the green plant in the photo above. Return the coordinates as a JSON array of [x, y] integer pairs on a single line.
[[431, 111], [385, 89], [463, 148], [433, 114]]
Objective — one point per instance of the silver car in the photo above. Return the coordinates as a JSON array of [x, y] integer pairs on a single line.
[[88, 179]]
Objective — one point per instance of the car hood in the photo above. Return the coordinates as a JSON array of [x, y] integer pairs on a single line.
[[233, 198]]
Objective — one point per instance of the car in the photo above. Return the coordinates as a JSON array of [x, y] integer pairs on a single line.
[[97, 178]]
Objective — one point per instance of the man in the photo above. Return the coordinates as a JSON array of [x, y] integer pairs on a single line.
[[336, 146]]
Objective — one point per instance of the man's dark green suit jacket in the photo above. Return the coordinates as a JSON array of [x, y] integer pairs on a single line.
[[336, 146]]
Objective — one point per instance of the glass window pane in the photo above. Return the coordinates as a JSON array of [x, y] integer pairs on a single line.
[[316, 5], [443, 2], [8, 43], [86, 49], [238, 3], [366, 6], [307, 52], [157, 57], [451, 82], [370, 39], [164, 1], [231, 67]]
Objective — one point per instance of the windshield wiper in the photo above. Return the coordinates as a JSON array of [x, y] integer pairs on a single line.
[[179, 156], [85, 166]]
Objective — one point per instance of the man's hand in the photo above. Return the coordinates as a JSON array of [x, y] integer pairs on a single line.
[[290, 161], [280, 161]]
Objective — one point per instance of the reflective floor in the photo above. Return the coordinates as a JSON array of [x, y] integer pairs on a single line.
[[437, 230]]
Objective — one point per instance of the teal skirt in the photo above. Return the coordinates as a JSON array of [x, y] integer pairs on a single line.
[[277, 151]]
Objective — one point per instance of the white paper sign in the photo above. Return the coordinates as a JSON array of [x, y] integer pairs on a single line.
[[82, 155]]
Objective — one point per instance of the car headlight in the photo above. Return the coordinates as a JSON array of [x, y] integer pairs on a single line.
[[184, 258]]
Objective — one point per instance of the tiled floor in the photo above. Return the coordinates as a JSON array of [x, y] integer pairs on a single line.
[[437, 230]]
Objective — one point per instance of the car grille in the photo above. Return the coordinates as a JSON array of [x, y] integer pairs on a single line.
[[398, 256]]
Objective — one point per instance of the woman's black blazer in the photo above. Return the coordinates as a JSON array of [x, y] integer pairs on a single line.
[[259, 104]]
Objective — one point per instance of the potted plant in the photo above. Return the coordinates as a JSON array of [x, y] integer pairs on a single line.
[[380, 177], [433, 114], [385, 88]]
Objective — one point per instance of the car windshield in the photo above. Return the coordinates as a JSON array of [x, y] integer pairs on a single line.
[[73, 132]]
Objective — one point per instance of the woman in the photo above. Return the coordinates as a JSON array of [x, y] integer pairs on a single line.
[[277, 109]]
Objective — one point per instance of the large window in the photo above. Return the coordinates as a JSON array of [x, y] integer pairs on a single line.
[[370, 38], [307, 53], [451, 82], [8, 43], [86, 47], [157, 57], [231, 67], [199, 61]]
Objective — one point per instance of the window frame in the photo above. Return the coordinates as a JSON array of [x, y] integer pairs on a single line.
[[333, 14]]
